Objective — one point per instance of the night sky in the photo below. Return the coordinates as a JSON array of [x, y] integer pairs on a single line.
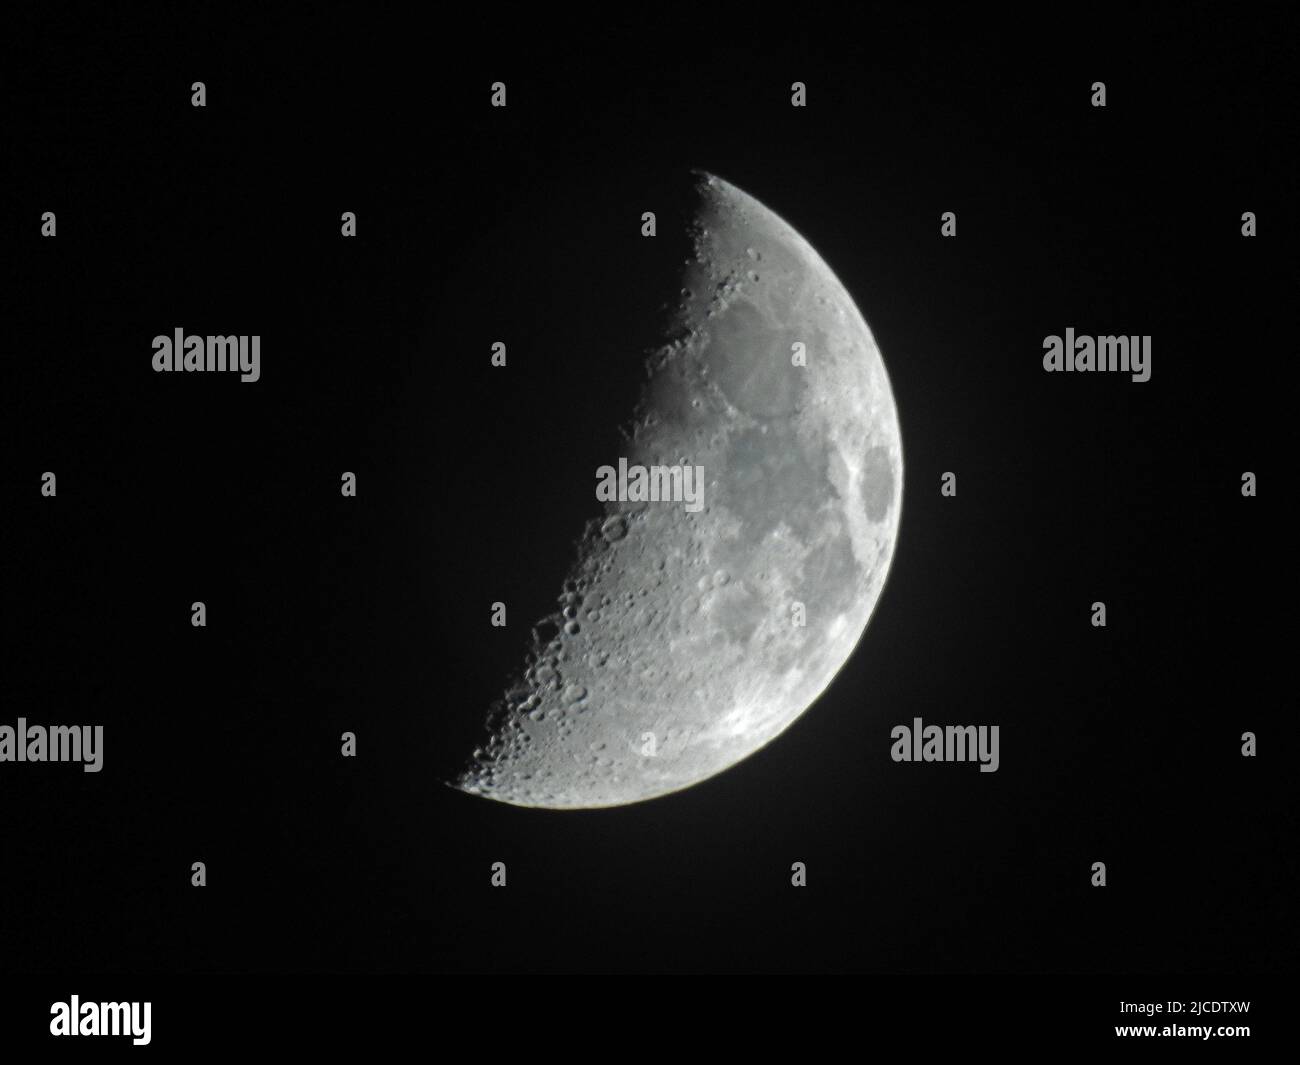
[[328, 614]]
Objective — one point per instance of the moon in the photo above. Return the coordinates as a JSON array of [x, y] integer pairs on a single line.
[[682, 641]]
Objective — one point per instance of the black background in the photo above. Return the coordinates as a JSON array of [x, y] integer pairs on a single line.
[[371, 614]]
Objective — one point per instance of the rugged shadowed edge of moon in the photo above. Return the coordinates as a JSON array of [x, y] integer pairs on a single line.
[[674, 652]]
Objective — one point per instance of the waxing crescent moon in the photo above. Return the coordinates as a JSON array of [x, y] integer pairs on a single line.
[[683, 642]]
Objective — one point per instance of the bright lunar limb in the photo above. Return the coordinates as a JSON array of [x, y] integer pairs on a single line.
[[682, 641]]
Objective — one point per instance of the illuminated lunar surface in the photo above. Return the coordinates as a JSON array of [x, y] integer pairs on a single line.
[[675, 650]]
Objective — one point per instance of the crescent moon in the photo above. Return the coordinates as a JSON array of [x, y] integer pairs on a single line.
[[685, 641]]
